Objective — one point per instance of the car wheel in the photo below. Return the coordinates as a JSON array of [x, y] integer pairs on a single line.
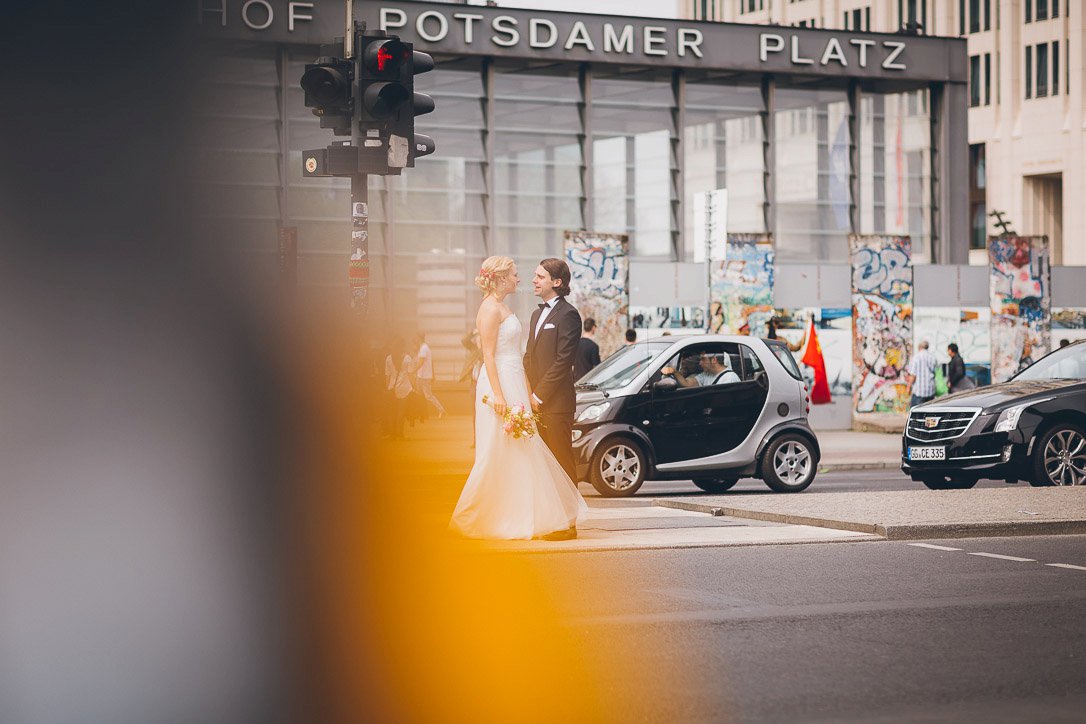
[[1060, 457], [788, 464], [618, 468], [715, 485]]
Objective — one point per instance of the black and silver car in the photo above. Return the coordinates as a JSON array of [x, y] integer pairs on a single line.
[[713, 409], [1032, 427]]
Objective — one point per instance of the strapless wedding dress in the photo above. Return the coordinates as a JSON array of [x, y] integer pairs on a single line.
[[516, 489]]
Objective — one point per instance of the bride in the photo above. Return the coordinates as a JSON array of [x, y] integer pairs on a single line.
[[516, 489]]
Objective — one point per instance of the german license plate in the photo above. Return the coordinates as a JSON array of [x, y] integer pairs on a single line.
[[927, 453]]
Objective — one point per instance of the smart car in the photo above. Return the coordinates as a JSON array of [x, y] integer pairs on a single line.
[[1032, 427], [712, 409]]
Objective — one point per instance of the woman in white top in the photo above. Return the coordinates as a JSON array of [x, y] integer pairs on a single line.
[[398, 371]]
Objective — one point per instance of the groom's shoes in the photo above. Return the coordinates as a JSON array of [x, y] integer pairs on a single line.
[[568, 534]]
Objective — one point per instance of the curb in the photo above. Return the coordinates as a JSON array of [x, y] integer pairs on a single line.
[[923, 531], [845, 467]]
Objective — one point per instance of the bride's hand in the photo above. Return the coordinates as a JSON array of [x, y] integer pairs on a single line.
[[500, 406]]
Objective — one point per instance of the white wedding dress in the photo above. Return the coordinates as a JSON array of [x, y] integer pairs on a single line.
[[516, 489]]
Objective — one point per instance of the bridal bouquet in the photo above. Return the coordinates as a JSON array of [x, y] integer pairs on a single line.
[[519, 422]]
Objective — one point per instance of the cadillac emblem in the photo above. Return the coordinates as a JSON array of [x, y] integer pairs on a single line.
[[931, 421]]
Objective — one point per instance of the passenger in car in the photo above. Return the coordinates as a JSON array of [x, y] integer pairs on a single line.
[[715, 370]]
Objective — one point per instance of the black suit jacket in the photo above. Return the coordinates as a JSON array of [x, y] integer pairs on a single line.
[[548, 359]]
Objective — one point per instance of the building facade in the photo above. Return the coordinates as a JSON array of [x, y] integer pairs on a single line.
[[548, 122], [1027, 123]]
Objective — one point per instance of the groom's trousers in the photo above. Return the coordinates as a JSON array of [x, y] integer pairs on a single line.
[[557, 433]]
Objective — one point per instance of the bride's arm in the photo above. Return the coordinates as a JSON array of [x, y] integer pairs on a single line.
[[489, 320]]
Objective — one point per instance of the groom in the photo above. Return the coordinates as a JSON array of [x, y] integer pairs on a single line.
[[548, 361]]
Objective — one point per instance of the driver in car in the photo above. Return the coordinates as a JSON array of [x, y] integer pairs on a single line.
[[715, 370]]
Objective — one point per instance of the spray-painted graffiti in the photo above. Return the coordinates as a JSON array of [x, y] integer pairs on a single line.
[[1068, 323], [882, 299], [968, 327], [741, 286], [1020, 302], [600, 286]]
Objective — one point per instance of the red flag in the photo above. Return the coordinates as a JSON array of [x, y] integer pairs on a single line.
[[812, 357]]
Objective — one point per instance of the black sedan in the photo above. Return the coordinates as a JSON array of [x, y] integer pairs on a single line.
[[1032, 427]]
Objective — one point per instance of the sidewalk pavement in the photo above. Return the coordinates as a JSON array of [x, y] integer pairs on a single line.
[[914, 514]]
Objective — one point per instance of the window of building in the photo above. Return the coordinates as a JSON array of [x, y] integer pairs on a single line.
[[977, 197], [894, 174], [974, 80], [1055, 67], [812, 174], [1042, 70], [1055, 8], [537, 166], [1029, 70], [855, 19], [750, 6], [961, 17], [1029, 11], [987, 79], [987, 14], [1042, 10], [633, 130], [723, 149], [974, 16]]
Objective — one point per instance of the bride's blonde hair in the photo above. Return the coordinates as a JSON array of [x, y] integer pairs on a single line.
[[494, 270]]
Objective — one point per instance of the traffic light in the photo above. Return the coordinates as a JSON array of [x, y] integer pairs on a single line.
[[388, 102], [327, 85]]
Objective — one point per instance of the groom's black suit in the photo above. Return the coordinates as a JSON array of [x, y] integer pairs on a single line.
[[548, 362]]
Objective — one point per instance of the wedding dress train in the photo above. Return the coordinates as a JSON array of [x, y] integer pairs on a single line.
[[516, 489]]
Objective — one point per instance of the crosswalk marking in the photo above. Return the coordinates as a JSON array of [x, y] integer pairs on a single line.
[[1066, 565], [1005, 558], [934, 547]]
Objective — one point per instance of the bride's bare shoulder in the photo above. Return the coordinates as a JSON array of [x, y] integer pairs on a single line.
[[490, 313]]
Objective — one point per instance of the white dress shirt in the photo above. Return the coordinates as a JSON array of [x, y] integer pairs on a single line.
[[543, 313]]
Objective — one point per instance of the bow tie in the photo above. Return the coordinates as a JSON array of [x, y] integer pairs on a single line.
[[544, 305]]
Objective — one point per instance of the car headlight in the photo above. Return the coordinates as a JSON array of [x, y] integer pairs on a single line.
[[577, 435], [593, 412], [1008, 419]]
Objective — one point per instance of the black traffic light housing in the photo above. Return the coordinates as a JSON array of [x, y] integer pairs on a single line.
[[387, 99], [370, 97], [328, 86]]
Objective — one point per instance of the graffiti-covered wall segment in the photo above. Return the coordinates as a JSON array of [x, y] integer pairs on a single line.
[[882, 306], [600, 267], [1021, 302]]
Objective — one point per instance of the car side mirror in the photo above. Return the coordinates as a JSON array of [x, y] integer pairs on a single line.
[[665, 384], [761, 379]]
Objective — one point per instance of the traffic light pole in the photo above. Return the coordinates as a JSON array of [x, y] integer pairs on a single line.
[[359, 266]]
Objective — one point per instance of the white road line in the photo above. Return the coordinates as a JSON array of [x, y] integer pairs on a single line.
[[1066, 565], [1005, 558], [933, 546]]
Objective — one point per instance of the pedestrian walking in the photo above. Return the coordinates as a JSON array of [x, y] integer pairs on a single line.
[[398, 369], [588, 352], [955, 370], [424, 377], [921, 375]]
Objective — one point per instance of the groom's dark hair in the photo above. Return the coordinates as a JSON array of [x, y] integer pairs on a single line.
[[559, 271]]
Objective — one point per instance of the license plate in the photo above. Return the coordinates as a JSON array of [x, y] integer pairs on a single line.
[[927, 453]]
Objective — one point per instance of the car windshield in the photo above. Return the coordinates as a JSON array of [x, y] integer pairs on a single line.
[[1068, 363], [619, 369], [786, 358]]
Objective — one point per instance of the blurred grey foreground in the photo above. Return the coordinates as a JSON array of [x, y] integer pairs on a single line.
[[140, 536]]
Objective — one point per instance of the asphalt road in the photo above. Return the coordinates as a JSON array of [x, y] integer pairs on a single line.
[[855, 632], [827, 482]]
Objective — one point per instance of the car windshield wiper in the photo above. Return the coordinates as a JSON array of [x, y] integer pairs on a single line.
[[591, 386]]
